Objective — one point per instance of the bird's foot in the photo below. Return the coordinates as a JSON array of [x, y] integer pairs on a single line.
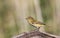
[[36, 30]]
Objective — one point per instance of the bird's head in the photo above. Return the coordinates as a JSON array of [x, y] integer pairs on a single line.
[[29, 18]]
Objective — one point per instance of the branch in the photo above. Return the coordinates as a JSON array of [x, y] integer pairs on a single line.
[[34, 34]]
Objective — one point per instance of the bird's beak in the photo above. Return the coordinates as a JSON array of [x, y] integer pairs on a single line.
[[25, 18]]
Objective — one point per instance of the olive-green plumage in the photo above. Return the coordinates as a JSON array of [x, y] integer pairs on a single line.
[[34, 22]]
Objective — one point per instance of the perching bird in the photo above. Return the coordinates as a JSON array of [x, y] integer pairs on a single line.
[[34, 22]]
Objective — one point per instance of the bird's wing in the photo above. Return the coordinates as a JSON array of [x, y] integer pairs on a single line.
[[38, 22]]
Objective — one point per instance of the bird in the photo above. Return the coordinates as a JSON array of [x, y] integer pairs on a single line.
[[34, 23]]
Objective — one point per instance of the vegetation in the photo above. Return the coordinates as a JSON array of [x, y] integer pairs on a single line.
[[14, 12]]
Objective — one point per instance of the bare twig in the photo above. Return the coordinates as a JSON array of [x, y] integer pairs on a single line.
[[34, 34]]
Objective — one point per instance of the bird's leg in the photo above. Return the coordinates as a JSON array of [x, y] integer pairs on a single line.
[[37, 29]]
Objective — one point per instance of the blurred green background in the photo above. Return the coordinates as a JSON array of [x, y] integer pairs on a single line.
[[14, 12]]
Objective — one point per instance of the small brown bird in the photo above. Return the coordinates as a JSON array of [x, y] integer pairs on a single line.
[[34, 22]]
